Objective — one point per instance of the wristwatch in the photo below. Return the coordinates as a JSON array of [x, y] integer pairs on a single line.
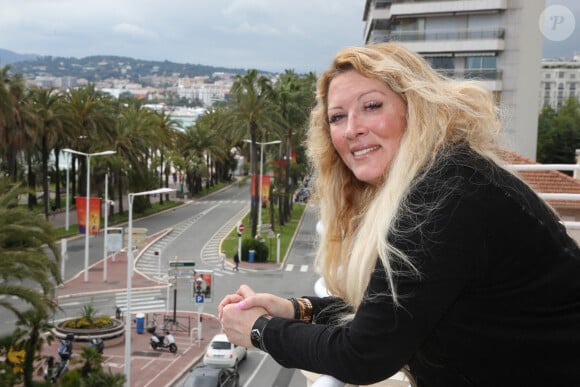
[[256, 334]]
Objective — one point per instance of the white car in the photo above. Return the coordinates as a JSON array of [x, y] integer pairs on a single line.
[[223, 354]]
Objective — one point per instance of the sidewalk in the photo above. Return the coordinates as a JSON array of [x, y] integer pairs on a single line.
[[148, 367]]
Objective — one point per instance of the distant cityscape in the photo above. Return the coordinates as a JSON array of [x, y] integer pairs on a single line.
[[184, 90], [187, 90]]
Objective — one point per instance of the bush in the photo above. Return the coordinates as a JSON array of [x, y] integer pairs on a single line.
[[262, 251]]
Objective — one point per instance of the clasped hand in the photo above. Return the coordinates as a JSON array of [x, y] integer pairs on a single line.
[[238, 312]]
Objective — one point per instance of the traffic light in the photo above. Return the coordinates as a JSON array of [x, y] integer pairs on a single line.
[[199, 285]]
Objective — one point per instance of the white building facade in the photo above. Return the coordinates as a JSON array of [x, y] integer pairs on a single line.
[[495, 41], [560, 80]]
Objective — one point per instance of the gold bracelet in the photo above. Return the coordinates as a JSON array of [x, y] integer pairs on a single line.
[[305, 307]]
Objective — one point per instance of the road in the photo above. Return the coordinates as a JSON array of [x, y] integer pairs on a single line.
[[197, 228]]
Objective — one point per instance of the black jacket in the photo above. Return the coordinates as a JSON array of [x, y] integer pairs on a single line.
[[497, 301]]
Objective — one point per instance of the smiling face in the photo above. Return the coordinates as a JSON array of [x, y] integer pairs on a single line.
[[367, 121]]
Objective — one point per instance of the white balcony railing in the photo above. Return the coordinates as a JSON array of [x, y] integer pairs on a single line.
[[553, 196]]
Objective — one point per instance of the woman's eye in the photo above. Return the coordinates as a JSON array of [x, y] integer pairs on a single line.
[[373, 105], [335, 118]]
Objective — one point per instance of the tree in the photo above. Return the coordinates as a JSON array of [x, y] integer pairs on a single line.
[[32, 326], [166, 135], [559, 133], [92, 119], [255, 112], [294, 97], [27, 271], [48, 113]]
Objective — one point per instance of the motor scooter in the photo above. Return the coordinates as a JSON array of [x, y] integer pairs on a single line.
[[98, 344], [160, 341], [53, 370]]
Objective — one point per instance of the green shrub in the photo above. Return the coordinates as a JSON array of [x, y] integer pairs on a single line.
[[262, 251]]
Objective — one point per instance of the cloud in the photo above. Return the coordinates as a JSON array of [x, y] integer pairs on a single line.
[[133, 31]]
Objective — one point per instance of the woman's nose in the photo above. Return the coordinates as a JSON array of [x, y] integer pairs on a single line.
[[354, 127]]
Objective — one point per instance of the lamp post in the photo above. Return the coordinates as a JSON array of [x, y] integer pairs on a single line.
[[261, 179], [88, 156], [67, 222], [130, 198]]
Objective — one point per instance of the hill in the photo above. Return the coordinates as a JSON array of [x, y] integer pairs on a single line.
[[7, 57], [95, 68]]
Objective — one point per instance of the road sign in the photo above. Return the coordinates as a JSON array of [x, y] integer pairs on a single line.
[[182, 264], [241, 227], [199, 298], [203, 285]]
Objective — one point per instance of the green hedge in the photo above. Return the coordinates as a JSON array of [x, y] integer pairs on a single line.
[[262, 251]]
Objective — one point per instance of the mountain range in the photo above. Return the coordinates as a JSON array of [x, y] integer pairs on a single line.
[[95, 68]]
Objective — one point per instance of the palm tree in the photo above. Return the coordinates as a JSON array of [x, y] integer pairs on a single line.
[[208, 139], [166, 135], [45, 106], [29, 271], [30, 335], [136, 128], [14, 133], [254, 111], [91, 116], [294, 97]]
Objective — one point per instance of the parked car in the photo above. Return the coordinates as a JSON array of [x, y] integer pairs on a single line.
[[212, 377], [221, 353]]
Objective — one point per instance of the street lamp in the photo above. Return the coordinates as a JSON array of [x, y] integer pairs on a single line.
[[67, 222], [261, 168], [88, 156], [130, 198]]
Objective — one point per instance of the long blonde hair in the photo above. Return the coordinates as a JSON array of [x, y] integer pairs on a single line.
[[357, 217]]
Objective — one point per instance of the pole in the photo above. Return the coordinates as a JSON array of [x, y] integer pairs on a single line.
[[63, 256], [87, 219], [129, 285], [175, 302], [239, 242], [278, 248], [199, 324], [106, 225], [67, 194], [261, 181]]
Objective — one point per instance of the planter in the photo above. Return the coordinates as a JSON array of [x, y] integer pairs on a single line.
[[111, 335]]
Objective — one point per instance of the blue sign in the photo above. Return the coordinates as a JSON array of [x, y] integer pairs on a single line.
[[199, 298]]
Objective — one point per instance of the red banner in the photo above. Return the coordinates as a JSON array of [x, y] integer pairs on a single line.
[[94, 214], [265, 187]]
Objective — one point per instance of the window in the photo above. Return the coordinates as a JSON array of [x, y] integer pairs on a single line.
[[480, 62], [481, 67], [442, 62]]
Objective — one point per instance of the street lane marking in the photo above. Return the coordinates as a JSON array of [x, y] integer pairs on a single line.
[[289, 267]]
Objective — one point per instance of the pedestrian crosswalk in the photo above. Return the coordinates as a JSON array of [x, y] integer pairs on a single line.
[[301, 268], [142, 301], [153, 265]]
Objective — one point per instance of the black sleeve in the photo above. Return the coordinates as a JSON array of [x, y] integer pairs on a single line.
[[383, 337], [328, 310]]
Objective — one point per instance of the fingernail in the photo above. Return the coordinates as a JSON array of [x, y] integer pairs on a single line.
[[241, 305]]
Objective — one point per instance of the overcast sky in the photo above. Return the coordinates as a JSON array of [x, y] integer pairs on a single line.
[[271, 35]]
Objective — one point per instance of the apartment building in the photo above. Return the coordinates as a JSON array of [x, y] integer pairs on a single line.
[[497, 42], [560, 80]]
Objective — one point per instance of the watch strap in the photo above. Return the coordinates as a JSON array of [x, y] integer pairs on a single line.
[[257, 333]]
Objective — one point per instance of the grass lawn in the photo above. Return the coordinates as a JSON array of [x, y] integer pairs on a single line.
[[230, 244]]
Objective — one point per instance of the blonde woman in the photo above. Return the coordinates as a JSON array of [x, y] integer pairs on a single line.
[[438, 259]]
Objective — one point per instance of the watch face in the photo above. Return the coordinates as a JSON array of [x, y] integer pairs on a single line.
[[255, 336]]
